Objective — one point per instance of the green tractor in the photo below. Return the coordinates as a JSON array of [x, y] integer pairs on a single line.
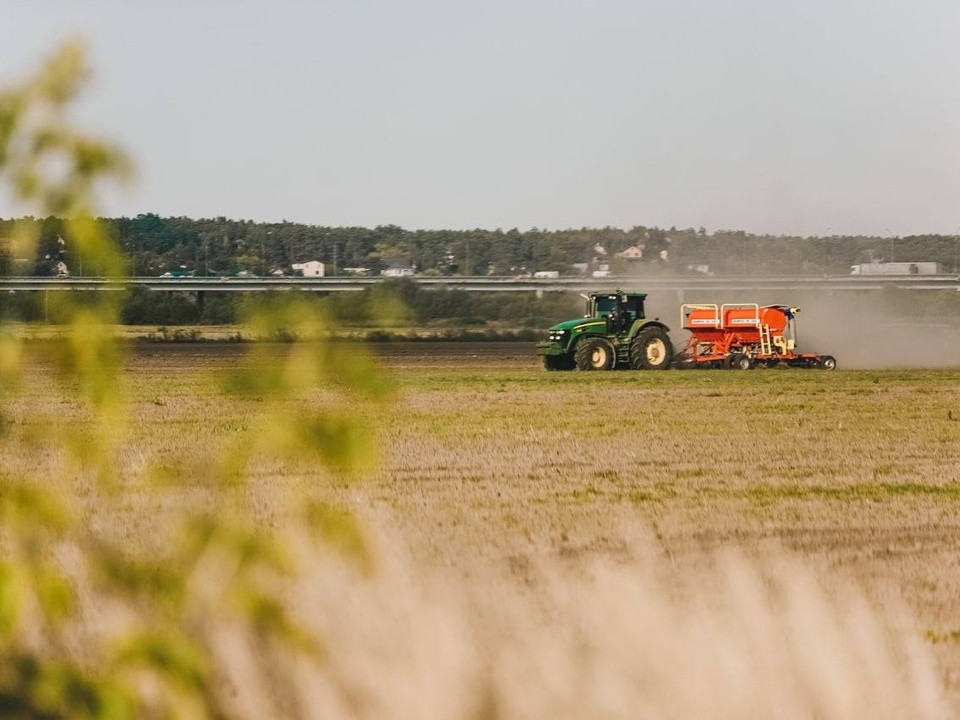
[[615, 333]]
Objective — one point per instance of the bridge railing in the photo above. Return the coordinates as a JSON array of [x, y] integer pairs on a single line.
[[491, 284]]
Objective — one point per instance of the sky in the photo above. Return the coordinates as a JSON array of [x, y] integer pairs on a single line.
[[813, 117]]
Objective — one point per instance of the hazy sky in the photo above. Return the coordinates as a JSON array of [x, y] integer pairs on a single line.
[[766, 115]]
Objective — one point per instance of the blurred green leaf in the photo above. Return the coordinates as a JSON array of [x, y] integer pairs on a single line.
[[54, 593], [62, 73], [140, 578], [30, 688], [31, 507], [11, 362], [339, 528], [343, 443], [167, 652], [269, 615], [351, 366], [12, 591], [248, 546]]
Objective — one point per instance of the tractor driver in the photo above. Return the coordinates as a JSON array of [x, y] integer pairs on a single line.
[[627, 315]]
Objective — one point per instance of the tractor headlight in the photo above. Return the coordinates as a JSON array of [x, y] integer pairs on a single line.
[[557, 335]]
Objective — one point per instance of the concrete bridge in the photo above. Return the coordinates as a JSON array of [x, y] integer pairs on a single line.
[[495, 284]]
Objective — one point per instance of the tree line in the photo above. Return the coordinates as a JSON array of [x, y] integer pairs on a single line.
[[154, 245], [394, 303]]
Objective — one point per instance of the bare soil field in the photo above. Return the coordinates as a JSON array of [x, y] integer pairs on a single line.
[[413, 355], [493, 466]]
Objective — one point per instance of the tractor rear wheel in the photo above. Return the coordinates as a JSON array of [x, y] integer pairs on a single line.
[[558, 362], [651, 350], [595, 354]]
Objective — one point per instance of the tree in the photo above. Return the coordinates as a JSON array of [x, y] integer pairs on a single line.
[[158, 655]]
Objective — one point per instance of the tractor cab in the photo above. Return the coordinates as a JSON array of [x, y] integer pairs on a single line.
[[600, 305], [619, 309]]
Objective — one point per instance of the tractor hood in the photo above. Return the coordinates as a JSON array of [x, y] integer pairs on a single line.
[[570, 325]]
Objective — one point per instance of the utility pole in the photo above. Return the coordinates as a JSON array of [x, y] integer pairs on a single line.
[[956, 254], [263, 255]]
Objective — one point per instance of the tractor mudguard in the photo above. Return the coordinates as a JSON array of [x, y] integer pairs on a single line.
[[642, 323]]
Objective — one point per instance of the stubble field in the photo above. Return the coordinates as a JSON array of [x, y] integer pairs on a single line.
[[493, 468]]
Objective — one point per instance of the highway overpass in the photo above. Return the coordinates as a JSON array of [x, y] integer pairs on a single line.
[[495, 284]]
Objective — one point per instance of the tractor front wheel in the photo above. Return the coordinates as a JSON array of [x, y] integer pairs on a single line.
[[651, 350], [595, 354], [828, 362]]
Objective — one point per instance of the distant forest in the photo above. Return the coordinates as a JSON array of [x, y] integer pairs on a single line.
[[219, 246]]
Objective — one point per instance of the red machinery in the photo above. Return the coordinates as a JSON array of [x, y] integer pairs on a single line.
[[743, 335]]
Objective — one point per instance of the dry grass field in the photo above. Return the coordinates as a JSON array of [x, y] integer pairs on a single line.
[[498, 461], [501, 475]]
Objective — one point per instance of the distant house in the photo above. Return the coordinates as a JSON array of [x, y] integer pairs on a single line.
[[633, 252], [356, 271], [602, 271], [61, 269], [312, 268], [397, 268], [581, 267], [547, 274]]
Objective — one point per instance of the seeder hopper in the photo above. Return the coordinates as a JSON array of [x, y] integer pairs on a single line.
[[744, 335]]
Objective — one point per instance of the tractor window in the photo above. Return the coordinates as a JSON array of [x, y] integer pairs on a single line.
[[605, 304], [634, 306]]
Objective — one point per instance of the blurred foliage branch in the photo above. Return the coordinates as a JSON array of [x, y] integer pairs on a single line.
[[90, 626]]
